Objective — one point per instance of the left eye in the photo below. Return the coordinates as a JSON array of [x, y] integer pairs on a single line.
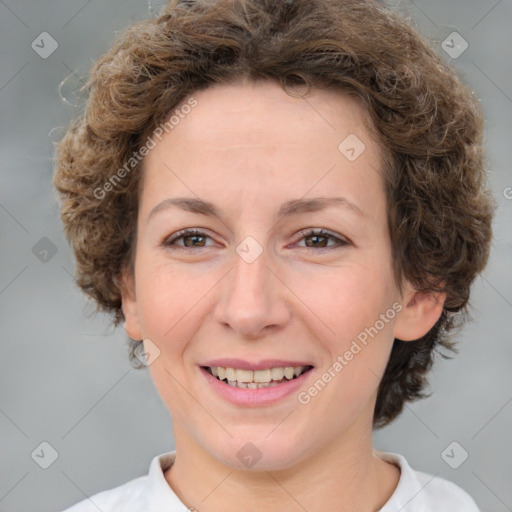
[[315, 235], [319, 234]]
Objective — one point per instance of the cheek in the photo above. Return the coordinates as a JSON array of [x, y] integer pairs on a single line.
[[355, 336], [171, 312], [366, 325], [169, 299], [348, 381], [346, 299]]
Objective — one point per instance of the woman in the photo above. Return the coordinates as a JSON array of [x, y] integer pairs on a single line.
[[285, 205]]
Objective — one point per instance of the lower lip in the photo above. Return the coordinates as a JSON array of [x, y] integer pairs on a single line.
[[254, 397]]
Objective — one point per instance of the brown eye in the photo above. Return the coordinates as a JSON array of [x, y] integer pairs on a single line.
[[195, 239], [320, 238], [192, 238]]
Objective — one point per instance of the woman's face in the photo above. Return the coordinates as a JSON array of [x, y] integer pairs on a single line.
[[255, 290]]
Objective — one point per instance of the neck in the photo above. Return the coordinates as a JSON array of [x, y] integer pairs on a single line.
[[345, 473]]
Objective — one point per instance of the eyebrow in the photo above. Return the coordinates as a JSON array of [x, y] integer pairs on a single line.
[[293, 207]]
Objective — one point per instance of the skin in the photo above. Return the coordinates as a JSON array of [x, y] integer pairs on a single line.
[[248, 147]]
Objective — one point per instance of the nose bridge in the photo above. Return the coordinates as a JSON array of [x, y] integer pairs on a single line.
[[251, 299]]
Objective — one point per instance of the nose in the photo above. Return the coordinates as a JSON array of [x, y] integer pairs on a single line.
[[253, 299]]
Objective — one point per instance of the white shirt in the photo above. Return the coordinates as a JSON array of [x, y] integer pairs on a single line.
[[415, 492]]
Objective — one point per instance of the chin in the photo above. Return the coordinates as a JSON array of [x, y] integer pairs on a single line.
[[259, 454]]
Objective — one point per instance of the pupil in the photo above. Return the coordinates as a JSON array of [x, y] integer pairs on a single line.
[[316, 237], [192, 236]]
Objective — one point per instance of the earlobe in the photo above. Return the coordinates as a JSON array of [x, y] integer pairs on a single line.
[[420, 312], [129, 305]]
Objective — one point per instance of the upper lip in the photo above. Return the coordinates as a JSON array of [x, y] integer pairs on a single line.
[[264, 364]]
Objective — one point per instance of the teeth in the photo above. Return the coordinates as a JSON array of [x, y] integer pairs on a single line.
[[248, 379], [244, 375], [289, 372], [262, 376], [298, 370], [277, 373]]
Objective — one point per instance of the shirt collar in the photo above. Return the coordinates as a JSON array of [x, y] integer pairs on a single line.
[[160, 496], [403, 498]]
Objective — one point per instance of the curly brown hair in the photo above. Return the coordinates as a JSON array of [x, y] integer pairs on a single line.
[[427, 120]]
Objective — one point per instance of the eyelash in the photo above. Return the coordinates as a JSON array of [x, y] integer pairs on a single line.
[[169, 242]]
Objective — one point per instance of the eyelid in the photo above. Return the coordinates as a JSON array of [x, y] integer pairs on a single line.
[[341, 241], [182, 233], [321, 232]]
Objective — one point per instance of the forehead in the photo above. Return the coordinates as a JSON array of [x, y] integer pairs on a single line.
[[249, 112], [256, 136]]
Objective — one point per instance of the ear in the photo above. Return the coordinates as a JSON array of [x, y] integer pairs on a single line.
[[421, 310], [126, 281]]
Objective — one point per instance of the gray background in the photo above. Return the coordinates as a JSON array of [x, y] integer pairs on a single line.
[[65, 378]]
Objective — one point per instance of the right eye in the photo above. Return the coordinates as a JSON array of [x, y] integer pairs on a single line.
[[186, 234]]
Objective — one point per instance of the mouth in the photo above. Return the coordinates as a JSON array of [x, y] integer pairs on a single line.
[[256, 379]]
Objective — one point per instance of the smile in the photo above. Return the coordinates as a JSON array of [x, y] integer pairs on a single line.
[[257, 379]]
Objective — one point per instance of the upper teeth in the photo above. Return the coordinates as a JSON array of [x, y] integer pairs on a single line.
[[235, 374]]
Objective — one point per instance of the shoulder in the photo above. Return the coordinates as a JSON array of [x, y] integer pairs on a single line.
[[443, 492], [149, 493], [421, 492], [127, 497]]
